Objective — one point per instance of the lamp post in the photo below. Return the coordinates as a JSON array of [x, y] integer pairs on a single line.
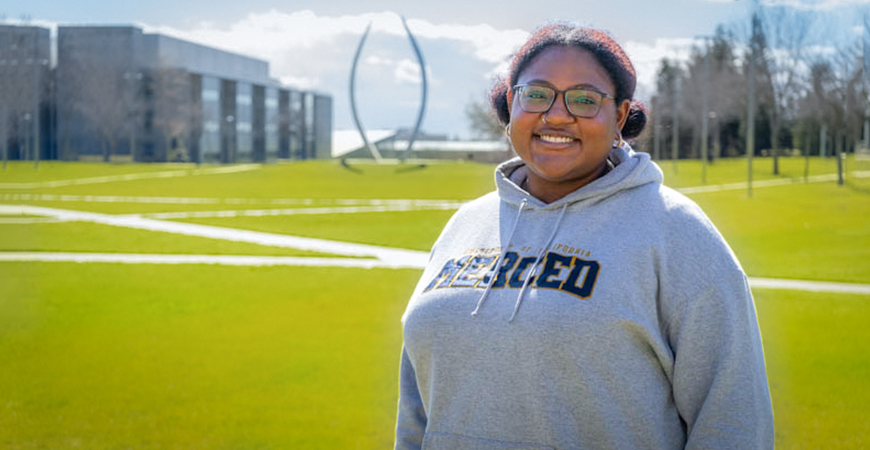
[[705, 106], [24, 139], [3, 82], [229, 144]]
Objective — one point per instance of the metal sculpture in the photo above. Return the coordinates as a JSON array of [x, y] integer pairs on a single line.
[[372, 148]]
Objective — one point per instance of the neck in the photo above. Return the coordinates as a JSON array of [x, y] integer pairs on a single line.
[[549, 191]]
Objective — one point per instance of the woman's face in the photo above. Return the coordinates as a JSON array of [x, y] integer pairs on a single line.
[[565, 152]]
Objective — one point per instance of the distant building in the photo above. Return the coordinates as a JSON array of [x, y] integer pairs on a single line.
[[119, 91], [393, 145], [25, 82]]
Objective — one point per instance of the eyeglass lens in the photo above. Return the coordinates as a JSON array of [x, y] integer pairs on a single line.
[[580, 102]]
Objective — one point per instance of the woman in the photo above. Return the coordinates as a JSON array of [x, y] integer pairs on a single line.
[[582, 305]]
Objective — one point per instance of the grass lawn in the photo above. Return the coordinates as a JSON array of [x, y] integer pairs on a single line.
[[90, 237], [105, 356], [109, 356], [150, 356]]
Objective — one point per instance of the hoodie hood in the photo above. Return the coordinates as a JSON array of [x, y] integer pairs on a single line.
[[631, 169]]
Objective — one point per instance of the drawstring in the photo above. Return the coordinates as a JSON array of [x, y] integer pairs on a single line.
[[534, 269], [499, 260]]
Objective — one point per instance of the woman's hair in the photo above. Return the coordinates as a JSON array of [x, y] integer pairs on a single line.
[[605, 50]]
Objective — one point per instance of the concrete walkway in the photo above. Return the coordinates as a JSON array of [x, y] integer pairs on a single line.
[[132, 176]]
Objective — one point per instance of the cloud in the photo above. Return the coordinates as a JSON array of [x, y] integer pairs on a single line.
[[647, 59], [816, 5]]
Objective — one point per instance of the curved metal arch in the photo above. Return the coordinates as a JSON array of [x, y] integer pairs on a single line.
[[425, 87]]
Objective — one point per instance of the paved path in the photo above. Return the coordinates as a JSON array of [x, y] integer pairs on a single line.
[[770, 183], [388, 255], [132, 176]]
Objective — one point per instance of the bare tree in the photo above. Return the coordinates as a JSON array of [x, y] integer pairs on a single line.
[[482, 120], [783, 63], [171, 110], [105, 101]]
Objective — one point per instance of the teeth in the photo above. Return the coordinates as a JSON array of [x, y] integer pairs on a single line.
[[556, 139]]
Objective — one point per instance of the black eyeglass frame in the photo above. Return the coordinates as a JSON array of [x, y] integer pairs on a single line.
[[556, 93]]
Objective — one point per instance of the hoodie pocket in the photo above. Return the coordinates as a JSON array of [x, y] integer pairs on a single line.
[[434, 440]]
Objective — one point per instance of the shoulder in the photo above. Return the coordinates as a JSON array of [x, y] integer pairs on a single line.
[[474, 214], [479, 209]]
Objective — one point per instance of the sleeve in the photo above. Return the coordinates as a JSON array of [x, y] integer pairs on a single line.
[[719, 379], [411, 421]]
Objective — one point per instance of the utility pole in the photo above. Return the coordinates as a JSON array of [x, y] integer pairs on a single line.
[[5, 138], [657, 141], [750, 120], [675, 135], [706, 110]]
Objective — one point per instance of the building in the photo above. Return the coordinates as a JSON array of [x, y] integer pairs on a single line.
[[392, 145], [25, 85], [116, 90]]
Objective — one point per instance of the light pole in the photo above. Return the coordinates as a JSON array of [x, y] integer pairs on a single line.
[[229, 140], [24, 139], [675, 139], [705, 106], [3, 131]]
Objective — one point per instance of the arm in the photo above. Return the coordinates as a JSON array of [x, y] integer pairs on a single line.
[[411, 422], [719, 380]]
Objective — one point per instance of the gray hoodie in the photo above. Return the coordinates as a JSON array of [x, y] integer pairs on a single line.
[[617, 318]]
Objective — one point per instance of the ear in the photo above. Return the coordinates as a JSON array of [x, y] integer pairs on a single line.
[[510, 100], [622, 114]]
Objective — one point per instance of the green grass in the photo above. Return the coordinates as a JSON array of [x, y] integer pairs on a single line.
[[108, 356], [813, 231], [415, 230], [180, 357], [25, 172], [89, 237], [817, 349], [730, 170], [151, 356]]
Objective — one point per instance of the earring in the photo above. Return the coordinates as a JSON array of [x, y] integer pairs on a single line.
[[507, 130], [617, 141]]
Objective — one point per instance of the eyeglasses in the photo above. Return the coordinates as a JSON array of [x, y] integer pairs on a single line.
[[579, 102]]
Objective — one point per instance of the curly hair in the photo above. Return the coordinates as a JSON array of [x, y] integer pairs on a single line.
[[605, 50]]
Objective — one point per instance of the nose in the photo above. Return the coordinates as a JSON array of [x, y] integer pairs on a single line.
[[558, 112]]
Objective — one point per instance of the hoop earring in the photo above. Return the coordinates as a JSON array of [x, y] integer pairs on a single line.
[[507, 130]]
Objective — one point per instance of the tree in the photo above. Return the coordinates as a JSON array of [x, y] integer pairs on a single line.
[[170, 111], [105, 100], [482, 121], [783, 60]]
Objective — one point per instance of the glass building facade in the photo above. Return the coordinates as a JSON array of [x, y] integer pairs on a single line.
[[169, 99]]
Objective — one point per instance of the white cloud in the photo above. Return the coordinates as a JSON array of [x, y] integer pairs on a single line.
[[304, 83], [490, 44], [816, 5], [647, 58], [408, 71]]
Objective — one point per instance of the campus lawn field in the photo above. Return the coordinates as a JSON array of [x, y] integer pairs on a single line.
[[153, 356]]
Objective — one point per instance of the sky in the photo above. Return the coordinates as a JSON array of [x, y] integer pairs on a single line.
[[466, 44]]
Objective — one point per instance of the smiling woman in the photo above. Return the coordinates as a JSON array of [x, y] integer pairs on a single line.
[[583, 304]]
